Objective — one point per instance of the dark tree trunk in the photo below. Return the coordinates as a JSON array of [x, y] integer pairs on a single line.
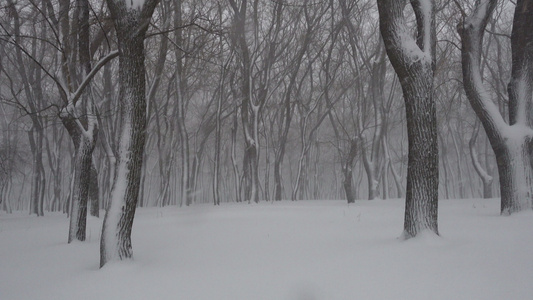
[[415, 65], [131, 24], [94, 191], [277, 180], [38, 180], [80, 193]]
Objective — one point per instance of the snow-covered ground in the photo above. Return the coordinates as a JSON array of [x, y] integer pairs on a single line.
[[301, 250]]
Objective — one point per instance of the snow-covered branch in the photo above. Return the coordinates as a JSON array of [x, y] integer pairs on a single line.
[[471, 31], [77, 94]]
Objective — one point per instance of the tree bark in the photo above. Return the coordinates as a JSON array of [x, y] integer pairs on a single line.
[[415, 65], [94, 192], [512, 143], [131, 24]]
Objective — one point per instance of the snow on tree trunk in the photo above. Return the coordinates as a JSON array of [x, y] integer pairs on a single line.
[[414, 62], [511, 143], [131, 24]]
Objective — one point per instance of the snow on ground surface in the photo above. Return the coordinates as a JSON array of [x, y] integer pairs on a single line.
[[305, 250]]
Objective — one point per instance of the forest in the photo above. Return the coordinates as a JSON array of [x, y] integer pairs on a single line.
[[109, 106]]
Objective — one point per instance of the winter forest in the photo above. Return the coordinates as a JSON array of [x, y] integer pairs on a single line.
[[198, 149]]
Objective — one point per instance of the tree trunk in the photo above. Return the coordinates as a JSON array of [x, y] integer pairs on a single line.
[[218, 136], [94, 193], [236, 175], [511, 143], [347, 170], [131, 24], [371, 177], [82, 177], [516, 175], [38, 180], [414, 64], [486, 179], [80, 190], [422, 171]]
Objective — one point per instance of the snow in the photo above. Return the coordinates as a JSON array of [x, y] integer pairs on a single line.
[[411, 49], [288, 250], [408, 43]]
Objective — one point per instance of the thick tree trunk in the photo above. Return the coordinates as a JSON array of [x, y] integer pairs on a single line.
[[422, 171], [116, 231], [414, 64], [511, 142], [131, 24], [516, 175]]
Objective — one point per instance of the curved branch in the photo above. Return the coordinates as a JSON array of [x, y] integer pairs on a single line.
[[471, 32]]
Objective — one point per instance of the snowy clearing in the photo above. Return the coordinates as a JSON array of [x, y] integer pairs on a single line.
[[289, 250]]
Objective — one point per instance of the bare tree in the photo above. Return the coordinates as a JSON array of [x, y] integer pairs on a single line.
[[131, 22], [30, 73], [414, 63], [511, 142], [79, 117]]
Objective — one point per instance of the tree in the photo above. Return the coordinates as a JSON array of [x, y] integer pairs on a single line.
[[414, 63], [79, 114], [31, 74], [486, 178], [131, 19], [511, 141]]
